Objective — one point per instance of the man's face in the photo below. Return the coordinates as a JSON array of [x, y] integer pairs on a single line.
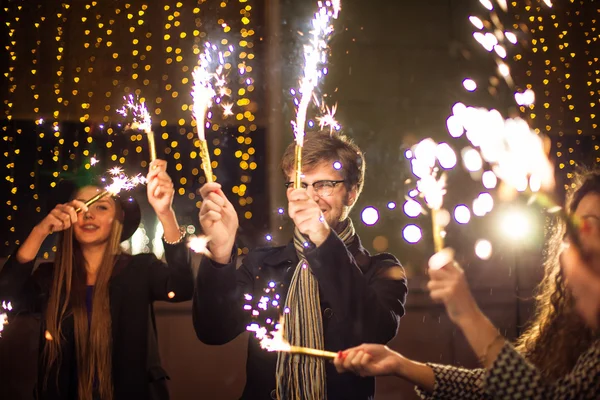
[[337, 204]]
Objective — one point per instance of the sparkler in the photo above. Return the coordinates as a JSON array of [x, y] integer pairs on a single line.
[[276, 342], [119, 183], [432, 184], [315, 55], [4, 316], [207, 84], [141, 121]]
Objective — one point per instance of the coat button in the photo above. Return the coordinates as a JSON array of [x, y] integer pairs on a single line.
[[328, 313], [274, 394]]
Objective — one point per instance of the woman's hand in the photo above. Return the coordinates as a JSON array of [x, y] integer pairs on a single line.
[[448, 285], [160, 188], [369, 360], [62, 217]]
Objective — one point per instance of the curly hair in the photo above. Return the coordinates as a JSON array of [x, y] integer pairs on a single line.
[[557, 336]]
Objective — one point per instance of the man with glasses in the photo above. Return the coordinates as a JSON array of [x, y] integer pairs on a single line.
[[333, 294]]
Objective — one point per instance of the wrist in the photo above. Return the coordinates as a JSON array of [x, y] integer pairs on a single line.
[[320, 238], [220, 254], [165, 215], [473, 317], [40, 232]]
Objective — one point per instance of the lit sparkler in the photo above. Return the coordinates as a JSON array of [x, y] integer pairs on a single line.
[[315, 55], [199, 245], [274, 341], [120, 182], [4, 316], [432, 183], [209, 86], [141, 121]]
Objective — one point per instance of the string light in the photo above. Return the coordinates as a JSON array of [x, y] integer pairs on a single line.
[[114, 50]]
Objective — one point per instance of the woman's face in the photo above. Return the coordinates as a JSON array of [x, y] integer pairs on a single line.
[[94, 226], [588, 211]]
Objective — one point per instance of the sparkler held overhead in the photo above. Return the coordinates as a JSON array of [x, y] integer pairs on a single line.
[[141, 121], [315, 57], [209, 86]]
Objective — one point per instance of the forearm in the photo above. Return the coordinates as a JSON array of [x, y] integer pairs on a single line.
[[31, 246], [483, 337], [218, 314], [170, 226], [417, 373]]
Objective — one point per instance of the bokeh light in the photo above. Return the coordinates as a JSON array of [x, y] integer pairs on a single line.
[[462, 214], [470, 85], [483, 249], [412, 233], [369, 215], [489, 179], [412, 208]]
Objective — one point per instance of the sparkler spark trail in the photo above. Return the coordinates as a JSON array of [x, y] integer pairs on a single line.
[[432, 184], [141, 121], [4, 316], [207, 84], [276, 342], [315, 56], [120, 182]]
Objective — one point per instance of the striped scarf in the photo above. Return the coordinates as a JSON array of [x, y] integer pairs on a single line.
[[300, 377]]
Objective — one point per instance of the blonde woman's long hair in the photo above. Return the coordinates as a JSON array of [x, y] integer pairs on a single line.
[[68, 296]]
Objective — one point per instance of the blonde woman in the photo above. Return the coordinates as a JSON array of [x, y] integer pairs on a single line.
[[97, 338]]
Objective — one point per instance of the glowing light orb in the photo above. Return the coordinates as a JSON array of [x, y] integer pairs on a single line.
[[476, 22], [455, 126], [337, 165], [412, 233], [483, 249], [445, 156], [280, 211], [511, 37], [369, 215], [470, 85], [412, 208], [515, 224], [489, 179], [472, 159], [268, 237], [391, 205], [408, 154], [462, 214]]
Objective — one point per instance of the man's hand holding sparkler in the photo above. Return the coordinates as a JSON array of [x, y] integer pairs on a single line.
[[160, 192], [307, 216], [219, 222]]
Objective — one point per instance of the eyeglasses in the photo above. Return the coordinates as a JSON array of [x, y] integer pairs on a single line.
[[323, 188]]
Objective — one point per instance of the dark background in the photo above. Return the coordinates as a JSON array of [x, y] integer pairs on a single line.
[[396, 69]]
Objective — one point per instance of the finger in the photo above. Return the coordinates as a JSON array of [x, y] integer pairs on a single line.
[[216, 199], [208, 188], [350, 355], [208, 205], [158, 191], [297, 194], [440, 274], [441, 258], [151, 186], [338, 362], [440, 295], [435, 285], [211, 216], [363, 364], [157, 166], [77, 204]]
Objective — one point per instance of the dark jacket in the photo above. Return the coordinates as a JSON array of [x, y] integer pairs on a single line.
[[362, 300], [136, 283]]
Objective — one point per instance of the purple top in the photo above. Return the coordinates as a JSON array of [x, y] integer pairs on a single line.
[[89, 295]]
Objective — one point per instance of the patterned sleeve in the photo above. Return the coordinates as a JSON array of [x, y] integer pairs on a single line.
[[454, 383], [512, 377]]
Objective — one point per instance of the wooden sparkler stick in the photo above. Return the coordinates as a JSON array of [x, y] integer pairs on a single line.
[[312, 352], [205, 157], [298, 164]]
